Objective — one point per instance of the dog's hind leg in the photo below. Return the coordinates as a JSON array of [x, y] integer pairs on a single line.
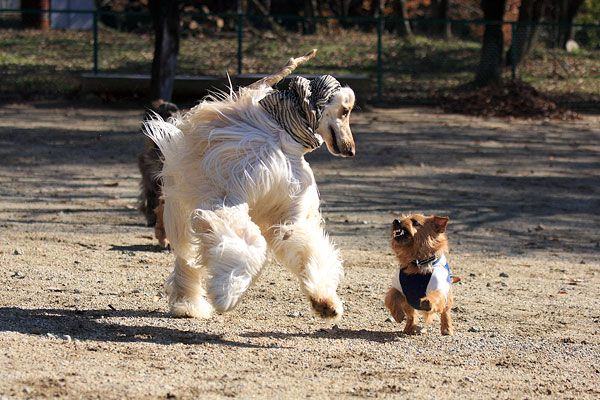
[[446, 320], [150, 165], [233, 250], [159, 227], [187, 297], [304, 248]]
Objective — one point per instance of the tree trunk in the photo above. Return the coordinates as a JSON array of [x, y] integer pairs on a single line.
[[402, 26], [530, 12], [37, 15], [441, 26], [341, 8], [567, 9], [165, 19], [490, 64], [345, 7], [310, 11], [268, 21]]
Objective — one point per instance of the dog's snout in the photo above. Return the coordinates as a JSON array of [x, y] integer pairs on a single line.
[[401, 234], [348, 149]]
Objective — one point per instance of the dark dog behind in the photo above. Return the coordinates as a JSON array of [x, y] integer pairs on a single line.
[[150, 164]]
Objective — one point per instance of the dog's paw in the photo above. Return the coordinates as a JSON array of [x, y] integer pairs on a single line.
[[447, 331], [161, 236], [225, 292], [164, 243], [200, 309], [413, 330], [327, 308]]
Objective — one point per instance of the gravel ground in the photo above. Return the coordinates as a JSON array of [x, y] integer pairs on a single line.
[[83, 314]]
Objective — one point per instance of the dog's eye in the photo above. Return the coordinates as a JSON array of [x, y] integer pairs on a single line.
[[415, 223], [345, 112]]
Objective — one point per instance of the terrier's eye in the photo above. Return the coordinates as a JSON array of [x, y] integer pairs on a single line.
[[345, 112], [415, 223]]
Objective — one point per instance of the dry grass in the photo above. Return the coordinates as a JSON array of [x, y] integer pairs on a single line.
[[38, 63]]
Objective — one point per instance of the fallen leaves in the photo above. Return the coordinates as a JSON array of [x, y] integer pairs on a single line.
[[506, 99]]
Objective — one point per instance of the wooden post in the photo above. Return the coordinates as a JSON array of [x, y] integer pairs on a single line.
[[165, 18]]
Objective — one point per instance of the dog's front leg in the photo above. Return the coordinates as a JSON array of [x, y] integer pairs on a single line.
[[233, 250], [393, 302], [434, 302], [411, 327], [187, 296], [304, 248]]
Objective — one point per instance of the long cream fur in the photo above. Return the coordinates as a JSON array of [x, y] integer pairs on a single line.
[[235, 185]]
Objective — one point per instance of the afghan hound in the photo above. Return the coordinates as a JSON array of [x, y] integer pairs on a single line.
[[236, 184]]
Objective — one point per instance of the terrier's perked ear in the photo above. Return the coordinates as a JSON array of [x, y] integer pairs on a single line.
[[440, 223]]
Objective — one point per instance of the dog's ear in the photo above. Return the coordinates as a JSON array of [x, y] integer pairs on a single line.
[[396, 225], [301, 87], [323, 88], [440, 223]]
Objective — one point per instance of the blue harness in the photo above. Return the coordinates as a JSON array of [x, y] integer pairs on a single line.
[[414, 286]]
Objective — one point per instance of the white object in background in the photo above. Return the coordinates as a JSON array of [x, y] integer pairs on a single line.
[[572, 46]]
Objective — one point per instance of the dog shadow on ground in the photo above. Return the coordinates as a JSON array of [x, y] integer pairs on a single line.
[[151, 248], [333, 333], [99, 325]]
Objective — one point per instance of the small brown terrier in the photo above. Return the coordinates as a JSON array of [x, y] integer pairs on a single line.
[[423, 281]]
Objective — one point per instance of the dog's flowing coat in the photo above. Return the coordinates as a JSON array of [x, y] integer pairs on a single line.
[[236, 184]]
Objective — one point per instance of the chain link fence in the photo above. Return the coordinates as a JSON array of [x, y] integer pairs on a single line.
[[437, 55]]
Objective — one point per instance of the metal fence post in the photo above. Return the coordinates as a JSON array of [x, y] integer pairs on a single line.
[[380, 22], [95, 33], [240, 33]]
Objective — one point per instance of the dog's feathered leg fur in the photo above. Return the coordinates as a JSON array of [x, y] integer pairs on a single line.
[[304, 248], [187, 295], [233, 250]]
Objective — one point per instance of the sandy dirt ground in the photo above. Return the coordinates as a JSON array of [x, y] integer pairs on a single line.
[[83, 314]]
